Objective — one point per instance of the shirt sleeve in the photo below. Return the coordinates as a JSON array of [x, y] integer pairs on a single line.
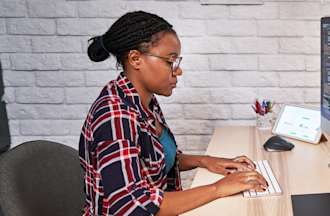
[[124, 191]]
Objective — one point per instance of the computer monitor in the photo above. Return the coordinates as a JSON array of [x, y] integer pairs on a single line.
[[325, 76]]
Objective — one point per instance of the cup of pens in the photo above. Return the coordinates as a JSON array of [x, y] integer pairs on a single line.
[[264, 114]]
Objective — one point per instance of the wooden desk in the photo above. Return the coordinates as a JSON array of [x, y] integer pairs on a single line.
[[302, 170]]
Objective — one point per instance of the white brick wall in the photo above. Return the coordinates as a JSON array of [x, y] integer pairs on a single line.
[[232, 55]]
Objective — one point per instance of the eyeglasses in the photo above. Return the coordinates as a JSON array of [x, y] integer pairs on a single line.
[[174, 62]]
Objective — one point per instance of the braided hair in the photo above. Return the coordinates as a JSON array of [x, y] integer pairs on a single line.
[[132, 31]]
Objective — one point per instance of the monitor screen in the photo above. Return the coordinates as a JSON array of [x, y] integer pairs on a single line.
[[325, 75]]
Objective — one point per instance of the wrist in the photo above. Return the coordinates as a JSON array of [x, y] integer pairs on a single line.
[[217, 192], [204, 161]]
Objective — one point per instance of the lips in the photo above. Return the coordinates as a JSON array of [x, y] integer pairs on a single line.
[[173, 84]]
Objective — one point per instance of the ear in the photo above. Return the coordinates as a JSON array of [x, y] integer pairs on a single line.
[[134, 59]]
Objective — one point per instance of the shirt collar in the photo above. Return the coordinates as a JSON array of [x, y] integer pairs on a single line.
[[132, 95]]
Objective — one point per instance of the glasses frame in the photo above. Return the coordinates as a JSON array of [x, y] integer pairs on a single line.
[[175, 64]]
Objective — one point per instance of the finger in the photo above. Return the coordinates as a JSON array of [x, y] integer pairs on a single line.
[[255, 176], [254, 184], [262, 180], [244, 159], [238, 166]]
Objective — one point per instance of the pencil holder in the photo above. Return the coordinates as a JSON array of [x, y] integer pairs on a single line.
[[264, 122]]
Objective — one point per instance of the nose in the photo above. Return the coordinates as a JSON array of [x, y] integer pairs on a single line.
[[178, 72]]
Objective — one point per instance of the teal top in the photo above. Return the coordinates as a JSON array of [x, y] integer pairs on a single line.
[[169, 149]]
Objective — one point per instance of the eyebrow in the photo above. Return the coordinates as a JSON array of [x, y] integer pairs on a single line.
[[173, 53]]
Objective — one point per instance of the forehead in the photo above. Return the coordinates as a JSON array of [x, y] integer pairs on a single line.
[[167, 44]]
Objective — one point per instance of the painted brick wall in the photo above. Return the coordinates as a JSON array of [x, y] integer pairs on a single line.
[[232, 55]]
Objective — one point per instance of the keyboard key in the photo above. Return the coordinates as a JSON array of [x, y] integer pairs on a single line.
[[264, 169]]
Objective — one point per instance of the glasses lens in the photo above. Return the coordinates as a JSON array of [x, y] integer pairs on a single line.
[[176, 64]]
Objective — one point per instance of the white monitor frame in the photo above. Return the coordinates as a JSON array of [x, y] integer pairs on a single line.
[[316, 139]]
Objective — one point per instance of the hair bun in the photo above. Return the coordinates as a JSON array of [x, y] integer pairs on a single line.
[[96, 50]]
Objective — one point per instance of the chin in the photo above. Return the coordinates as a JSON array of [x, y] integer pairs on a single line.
[[166, 93]]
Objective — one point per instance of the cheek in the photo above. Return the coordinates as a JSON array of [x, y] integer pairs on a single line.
[[159, 75]]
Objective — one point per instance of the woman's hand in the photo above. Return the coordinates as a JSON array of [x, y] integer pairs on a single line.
[[240, 181], [226, 166]]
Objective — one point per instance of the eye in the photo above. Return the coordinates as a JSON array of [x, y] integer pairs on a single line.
[[169, 63]]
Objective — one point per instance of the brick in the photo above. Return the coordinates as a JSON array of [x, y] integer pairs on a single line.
[[233, 95], [207, 79], [268, 10], [191, 10], [281, 62], [75, 126], [13, 127], [70, 26], [325, 8], [254, 79], [5, 61], [56, 44], [74, 78], [49, 79], [312, 95], [12, 8], [195, 111], [205, 45], [281, 28], [242, 111], [49, 8], [28, 95], [294, 79], [254, 45], [172, 111], [232, 27], [300, 45], [194, 63], [44, 127], [103, 8], [82, 62], [24, 26], [46, 111], [282, 95], [19, 111], [233, 62], [312, 28], [11, 44], [300, 10], [2, 26], [197, 142], [100, 78], [191, 126], [187, 95], [9, 96], [313, 63], [191, 27], [14, 78], [35, 62], [165, 9], [81, 95]]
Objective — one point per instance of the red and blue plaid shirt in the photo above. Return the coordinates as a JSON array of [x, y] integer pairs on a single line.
[[122, 158]]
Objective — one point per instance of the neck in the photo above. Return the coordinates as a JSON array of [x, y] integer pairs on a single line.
[[144, 94]]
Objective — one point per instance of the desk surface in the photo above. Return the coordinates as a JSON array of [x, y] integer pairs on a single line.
[[300, 171]]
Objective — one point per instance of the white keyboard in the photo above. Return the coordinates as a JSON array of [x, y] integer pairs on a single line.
[[264, 169]]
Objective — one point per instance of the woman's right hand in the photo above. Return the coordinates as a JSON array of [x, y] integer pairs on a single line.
[[240, 181]]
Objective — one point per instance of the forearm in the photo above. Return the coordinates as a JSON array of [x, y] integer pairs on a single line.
[[175, 203], [188, 162]]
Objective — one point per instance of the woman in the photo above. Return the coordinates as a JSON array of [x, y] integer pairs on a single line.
[[128, 153]]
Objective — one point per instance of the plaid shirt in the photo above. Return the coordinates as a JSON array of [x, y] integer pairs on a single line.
[[122, 158]]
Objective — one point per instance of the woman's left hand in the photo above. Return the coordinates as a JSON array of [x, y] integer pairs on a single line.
[[225, 166]]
